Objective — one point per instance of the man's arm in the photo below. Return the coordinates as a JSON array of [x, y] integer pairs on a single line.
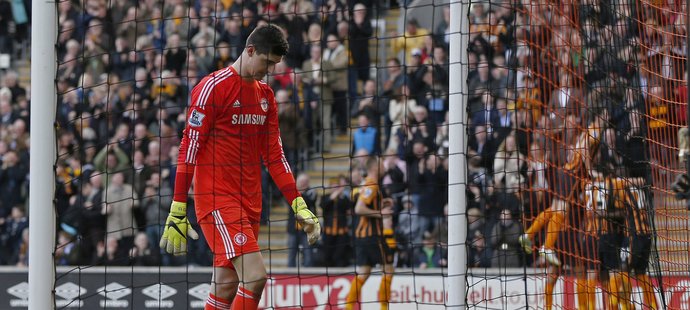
[[200, 121], [361, 209], [366, 197]]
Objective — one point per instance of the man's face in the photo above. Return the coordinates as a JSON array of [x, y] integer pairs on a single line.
[[261, 64]]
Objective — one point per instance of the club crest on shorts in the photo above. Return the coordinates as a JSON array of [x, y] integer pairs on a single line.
[[196, 118], [264, 104], [240, 239]]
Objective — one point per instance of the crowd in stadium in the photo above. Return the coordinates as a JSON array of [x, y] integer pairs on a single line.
[[539, 76], [126, 69]]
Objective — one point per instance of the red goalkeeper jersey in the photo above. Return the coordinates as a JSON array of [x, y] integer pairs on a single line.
[[232, 127]]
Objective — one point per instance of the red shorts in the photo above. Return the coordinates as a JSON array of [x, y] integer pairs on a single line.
[[229, 236]]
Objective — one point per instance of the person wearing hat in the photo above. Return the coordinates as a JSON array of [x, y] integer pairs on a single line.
[[413, 37]]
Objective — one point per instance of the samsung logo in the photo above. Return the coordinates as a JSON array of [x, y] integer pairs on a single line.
[[248, 119]]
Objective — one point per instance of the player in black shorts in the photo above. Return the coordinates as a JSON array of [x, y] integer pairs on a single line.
[[610, 206], [373, 214], [639, 245]]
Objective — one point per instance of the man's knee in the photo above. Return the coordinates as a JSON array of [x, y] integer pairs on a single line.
[[255, 281], [225, 287]]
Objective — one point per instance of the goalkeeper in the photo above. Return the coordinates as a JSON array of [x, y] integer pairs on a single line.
[[232, 127]]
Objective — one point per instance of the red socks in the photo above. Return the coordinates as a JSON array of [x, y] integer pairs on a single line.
[[216, 303], [245, 300]]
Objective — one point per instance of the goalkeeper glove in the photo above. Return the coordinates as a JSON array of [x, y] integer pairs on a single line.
[[177, 226], [307, 220]]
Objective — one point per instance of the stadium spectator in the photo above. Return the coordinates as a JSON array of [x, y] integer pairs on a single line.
[[395, 180], [315, 77], [67, 250], [478, 254], [7, 114], [360, 31], [369, 103], [297, 239], [11, 235], [408, 231], [336, 54], [430, 254], [413, 37], [89, 206], [119, 201], [12, 82], [503, 241], [336, 207], [109, 253], [111, 159], [364, 137], [394, 77], [431, 198], [142, 254], [5, 20], [293, 133], [508, 166], [155, 200], [400, 110], [12, 175]]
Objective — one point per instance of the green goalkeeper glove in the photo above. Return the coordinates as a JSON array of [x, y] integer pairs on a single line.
[[307, 220], [177, 227]]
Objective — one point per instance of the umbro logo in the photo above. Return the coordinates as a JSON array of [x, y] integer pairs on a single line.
[[236, 104]]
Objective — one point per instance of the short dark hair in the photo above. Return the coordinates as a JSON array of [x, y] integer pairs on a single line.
[[268, 39], [372, 162]]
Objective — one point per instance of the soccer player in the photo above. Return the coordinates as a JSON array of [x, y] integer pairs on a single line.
[[232, 127], [571, 180], [373, 213], [639, 237], [610, 202]]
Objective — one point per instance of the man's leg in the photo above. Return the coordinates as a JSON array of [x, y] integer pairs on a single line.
[[581, 286], [223, 289], [252, 274], [542, 219], [645, 284], [361, 276], [551, 279], [553, 229], [385, 286]]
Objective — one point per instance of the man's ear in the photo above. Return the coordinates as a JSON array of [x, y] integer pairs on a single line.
[[250, 50]]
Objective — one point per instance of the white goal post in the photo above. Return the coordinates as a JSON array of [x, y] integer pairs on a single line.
[[43, 155]]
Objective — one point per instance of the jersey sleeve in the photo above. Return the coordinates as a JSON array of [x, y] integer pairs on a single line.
[[272, 154], [200, 120], [368, 194]]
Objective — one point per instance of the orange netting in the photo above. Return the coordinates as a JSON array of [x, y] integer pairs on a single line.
[[596, 92]]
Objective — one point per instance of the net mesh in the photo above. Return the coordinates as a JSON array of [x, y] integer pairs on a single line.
[[574, 111], [361, 79]]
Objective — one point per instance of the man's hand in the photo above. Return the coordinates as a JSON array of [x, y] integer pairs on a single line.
[[177, 227], [307, 220]]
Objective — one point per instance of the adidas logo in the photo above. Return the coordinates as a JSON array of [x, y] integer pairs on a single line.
[[236, 104]]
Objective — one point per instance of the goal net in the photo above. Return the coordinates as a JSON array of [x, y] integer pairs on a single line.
[[361, 79], [574, 112]]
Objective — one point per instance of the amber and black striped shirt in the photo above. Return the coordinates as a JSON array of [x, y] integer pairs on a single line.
[[366, 226], [335, 212]]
